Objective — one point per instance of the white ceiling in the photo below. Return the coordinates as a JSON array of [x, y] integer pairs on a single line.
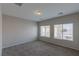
[[49, 10]]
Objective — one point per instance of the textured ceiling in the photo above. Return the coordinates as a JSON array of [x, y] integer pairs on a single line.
[[49, 10]]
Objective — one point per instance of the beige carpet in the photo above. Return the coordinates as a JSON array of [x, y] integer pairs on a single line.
[[38, 48]]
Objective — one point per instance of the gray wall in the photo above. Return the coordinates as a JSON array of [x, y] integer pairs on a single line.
[[0, 31], [17, 31], [74, 18]]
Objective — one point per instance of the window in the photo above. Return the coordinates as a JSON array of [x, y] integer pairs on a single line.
[[45, 31], [58, 31], [68, 31], [63, 31]]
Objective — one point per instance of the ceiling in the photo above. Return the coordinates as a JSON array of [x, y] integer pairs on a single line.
[[49, 10]]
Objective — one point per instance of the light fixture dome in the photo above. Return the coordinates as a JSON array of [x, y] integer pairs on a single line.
[[38, 12]]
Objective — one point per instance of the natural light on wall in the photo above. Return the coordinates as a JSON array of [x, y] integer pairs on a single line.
[[63, 31]]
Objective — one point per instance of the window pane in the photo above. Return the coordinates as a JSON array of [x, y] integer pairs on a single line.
[[68, 31], [42, 31], [47, 31], [58, 31]]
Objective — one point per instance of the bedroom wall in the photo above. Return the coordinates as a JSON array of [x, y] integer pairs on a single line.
[[18, 31], [0, 31], [73, 18]]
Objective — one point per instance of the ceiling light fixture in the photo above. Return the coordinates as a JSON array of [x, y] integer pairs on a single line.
[[38, 12]]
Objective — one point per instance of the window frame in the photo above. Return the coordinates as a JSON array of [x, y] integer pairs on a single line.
[[62, 31], [45, 31]]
